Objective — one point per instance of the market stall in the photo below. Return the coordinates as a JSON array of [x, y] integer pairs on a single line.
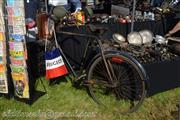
[[26, 66]]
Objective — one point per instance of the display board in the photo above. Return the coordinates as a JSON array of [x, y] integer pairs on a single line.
[[3, 69], [17, 47]]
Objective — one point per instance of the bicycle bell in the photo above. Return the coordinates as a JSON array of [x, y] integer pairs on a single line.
[[135, 38], [118, 38], [147, 36]]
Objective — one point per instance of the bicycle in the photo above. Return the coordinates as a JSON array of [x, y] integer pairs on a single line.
[[113, 78]]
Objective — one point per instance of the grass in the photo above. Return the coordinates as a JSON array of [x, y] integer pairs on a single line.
[[63, 102]]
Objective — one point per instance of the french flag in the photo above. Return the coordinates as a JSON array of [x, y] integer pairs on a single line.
[[55, 66]]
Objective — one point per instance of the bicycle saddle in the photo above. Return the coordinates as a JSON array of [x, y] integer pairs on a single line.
[[97, 30]]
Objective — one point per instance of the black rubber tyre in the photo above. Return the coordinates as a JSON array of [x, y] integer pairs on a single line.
[[126, 92]]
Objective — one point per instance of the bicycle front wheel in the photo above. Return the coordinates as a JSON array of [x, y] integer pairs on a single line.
[[126, 90]]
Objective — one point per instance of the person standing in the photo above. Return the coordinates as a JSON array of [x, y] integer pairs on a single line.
[[71, 5]]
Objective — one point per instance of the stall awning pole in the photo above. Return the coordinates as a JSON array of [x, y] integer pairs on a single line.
[[46, 4], [133, 15]]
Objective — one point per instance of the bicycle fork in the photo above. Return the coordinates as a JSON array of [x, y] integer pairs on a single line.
[[108, 65]]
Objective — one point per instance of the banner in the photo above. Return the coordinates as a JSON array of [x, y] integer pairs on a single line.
[[55, 66]]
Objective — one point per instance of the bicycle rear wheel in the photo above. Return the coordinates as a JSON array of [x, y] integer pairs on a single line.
[[126, 91]]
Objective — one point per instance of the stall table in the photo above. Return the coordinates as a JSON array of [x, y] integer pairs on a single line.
[[162, 76]]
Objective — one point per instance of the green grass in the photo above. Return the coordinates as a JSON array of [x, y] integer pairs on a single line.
[[63, 102]]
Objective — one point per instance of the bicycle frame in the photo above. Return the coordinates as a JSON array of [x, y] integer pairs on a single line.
[[85, 54]]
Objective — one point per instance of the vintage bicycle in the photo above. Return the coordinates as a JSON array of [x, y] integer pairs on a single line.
[[114, 79]]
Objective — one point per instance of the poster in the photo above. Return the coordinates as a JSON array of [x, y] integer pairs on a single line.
[[3, 83], [21, 86]]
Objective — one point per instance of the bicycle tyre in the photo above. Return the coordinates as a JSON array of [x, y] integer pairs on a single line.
[[135, 88]]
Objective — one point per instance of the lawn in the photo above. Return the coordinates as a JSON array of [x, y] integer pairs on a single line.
[[63, 102]]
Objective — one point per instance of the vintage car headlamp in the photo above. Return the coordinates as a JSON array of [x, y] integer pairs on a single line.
[[118, 38], [147, 36], [134, 38]]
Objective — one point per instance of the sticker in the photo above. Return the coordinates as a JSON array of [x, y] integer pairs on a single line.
[[10, 20], [9, 10], [2, 68], [19, 3], [2, 60], [1, 12], [17, 37], [3, 83], [1, 36], [1, 21], [1, 48], [11, 45], [16, 46], [18, 11], [18, 29], [1, 28], [10, 28], [17, 53], [15, 61], [17, 68], [10, 2], [18, 21]]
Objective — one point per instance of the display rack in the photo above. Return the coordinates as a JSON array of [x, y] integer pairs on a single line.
[[3, 68], [17, 47]]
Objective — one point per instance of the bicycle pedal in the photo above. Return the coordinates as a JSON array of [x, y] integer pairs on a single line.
[[81, 77]]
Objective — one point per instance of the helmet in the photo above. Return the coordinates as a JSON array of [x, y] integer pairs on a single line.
[[135, 38], [59, 12]]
